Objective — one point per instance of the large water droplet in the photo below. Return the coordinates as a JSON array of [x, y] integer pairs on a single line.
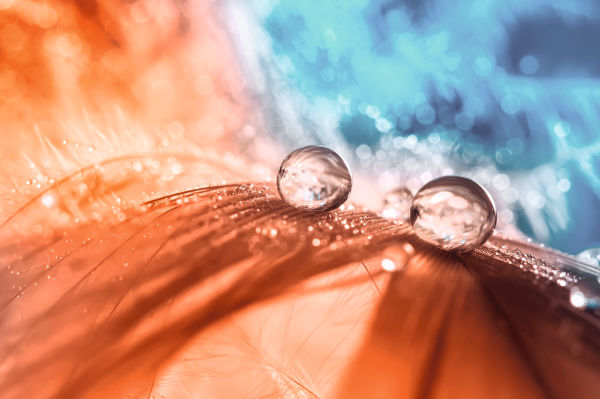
[[397, 204], [453, 213], [590, 256], [585, 295], [314, 178]]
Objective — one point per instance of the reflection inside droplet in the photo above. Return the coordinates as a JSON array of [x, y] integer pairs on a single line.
[[397, 205], [314, 178], [585, 295], [453, 213]]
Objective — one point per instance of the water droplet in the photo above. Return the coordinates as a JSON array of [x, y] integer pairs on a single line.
[[585, 295], [314, 178], [590, 256], [397, 204], [453, 213]]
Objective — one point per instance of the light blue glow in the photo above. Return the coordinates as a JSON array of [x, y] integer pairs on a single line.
[[516, 80]]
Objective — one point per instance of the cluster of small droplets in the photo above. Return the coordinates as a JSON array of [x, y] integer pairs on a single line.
[[326, 232], [529, 263], [78, 145]]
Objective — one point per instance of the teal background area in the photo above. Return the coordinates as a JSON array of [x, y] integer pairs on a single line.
[[512, 82]]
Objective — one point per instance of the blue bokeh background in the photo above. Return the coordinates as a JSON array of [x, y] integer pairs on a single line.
[[507, 82]]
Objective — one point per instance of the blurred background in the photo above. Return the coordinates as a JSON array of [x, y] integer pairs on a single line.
[[505, 92]]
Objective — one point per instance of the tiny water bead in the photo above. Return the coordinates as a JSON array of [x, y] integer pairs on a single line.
[[453, 213], [396, 204], [314, 178], [585, 294]]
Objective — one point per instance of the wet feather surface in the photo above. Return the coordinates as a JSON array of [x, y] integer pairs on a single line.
[[122, 301]]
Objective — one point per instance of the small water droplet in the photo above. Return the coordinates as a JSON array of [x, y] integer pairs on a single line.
[[314, 178], [585, 295], [396, 204], [453, 213]]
